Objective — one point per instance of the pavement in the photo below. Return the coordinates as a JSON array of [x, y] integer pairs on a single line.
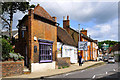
[[71, 68], [105, 71]]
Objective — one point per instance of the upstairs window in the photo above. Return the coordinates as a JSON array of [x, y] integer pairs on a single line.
[[22, 34]]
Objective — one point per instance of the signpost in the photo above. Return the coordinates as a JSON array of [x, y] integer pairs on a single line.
[[82, 45]]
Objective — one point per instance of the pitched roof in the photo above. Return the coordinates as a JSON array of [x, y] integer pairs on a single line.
[[65, 37], [116, 47], [84, 36], [38, 10]]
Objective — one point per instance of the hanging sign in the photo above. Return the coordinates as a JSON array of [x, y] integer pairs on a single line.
[[82, 45]]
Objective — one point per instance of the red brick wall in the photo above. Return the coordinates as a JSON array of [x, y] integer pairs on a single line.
[[39, 29], [65, 61], [12, 68], [44, 31]]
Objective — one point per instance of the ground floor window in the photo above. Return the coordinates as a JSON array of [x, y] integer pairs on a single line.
[[45, 53]]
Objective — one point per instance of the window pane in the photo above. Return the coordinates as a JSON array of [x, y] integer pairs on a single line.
[[45, 52]]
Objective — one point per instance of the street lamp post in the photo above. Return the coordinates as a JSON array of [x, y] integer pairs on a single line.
[[79, 31], [79, 39]]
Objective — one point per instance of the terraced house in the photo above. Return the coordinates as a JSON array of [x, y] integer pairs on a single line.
[[91, 53], [37, 39]]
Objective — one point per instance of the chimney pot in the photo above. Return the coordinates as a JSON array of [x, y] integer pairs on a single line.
[[67, 17], [82, 28], [54, 18], [63, 17], [38, 4], [89, 36]]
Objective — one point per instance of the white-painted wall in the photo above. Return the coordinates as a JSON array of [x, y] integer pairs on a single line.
[[67, 51], [40, 67]]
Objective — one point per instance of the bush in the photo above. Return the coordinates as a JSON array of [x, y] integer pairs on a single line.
[[15, 57], [6, 47], [8, 52], [59, 67]]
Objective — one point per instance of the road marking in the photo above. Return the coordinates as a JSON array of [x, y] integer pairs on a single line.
[[106, 72], [82, 70], [114, 70], [68, 74], [93, 77]]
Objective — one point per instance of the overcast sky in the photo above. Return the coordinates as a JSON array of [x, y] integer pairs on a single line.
[[99, 18]]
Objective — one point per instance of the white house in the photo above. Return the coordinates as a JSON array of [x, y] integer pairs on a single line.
[[66, 47]]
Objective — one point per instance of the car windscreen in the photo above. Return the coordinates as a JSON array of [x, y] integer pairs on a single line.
[[110, 58]]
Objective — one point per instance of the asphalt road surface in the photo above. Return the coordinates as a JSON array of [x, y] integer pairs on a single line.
[[104, 71]]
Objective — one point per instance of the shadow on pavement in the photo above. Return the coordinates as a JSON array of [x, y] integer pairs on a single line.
[[115, 76]]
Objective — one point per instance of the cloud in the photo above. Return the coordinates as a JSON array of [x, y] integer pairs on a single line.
[[102, 14], [104, 31], [17, 16], [99, 12]]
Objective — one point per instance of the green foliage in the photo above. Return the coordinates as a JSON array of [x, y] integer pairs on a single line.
[[11, 8], [111, 43], [59, 67], [6, 47], [32, 6], [15, 57], [14, 6], [8, 52], [65, 66]]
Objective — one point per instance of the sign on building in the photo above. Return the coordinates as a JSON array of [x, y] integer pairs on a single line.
[[82, 45]]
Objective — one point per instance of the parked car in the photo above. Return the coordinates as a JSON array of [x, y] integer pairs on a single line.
[[99, 58], [105, 58], [111, 60]]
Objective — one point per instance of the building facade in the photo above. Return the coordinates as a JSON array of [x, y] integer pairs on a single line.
[[37, 40], [66, 47], [91, 53]]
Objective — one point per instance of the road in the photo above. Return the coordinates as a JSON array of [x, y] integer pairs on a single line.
[[108, 71], [103, 71]]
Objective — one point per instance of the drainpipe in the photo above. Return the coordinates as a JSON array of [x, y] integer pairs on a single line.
[[62, 48]]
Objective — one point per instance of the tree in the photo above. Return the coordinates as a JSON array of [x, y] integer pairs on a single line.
[[11, 8]]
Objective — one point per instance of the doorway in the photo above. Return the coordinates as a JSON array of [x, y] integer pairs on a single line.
[[26, 58]]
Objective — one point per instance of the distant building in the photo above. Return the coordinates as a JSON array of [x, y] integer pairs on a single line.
[[115, 50], [14, 33]]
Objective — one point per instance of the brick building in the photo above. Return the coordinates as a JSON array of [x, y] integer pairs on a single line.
[[91, 53], [37, 39]]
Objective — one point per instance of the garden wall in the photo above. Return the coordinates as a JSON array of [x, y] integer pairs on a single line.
[[64, 61], [10, 68]]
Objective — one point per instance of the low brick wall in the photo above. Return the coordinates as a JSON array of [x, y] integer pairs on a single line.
[[64, 61], [10, 68]]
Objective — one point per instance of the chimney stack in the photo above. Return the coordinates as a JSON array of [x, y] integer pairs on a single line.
[[84, 32], [63, 17], [66, 23], [55, 18], [67, 17]]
